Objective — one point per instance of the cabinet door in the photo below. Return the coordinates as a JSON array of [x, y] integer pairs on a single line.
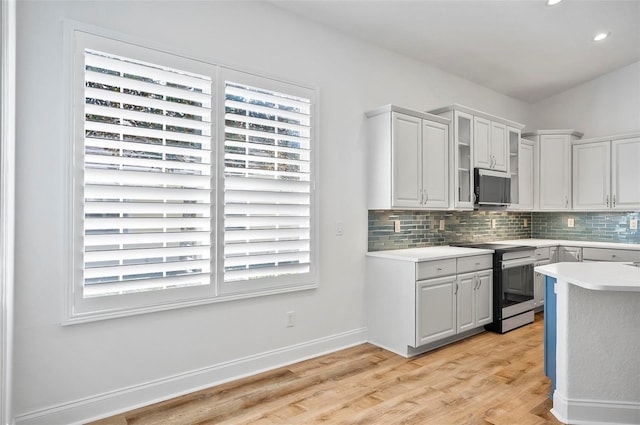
[[466, 317], [463, 160], [484, 298], [625, 186], [435, 309], [435, 173], [407, 160], [499, 152], [481, 143], [538, 286], [569, 254], [591, 176], [555, 172], [525, 175], [553, 254]]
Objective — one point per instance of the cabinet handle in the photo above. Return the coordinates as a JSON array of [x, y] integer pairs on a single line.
[[439, 269], [426, 196], [607, 200], [566, 202], [456, 292], [614, 201]]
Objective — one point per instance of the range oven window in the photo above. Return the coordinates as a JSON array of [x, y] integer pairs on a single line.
[[517, 284]]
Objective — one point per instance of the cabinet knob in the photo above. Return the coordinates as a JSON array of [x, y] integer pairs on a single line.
[[439, 269]]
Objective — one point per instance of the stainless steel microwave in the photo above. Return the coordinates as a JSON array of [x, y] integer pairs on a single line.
[[492, 187]]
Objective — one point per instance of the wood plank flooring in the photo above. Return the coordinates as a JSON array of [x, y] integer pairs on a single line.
[[486, 379]]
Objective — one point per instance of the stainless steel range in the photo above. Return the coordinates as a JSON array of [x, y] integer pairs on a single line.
[[512, 285]]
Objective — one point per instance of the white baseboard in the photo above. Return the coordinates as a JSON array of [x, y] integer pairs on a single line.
[[125, 399], [595, 412]]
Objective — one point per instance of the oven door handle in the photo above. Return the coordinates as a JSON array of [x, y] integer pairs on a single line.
[[518, 263]]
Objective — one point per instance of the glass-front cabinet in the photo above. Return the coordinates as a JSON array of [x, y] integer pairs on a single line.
[[513, 135], [463, 157]]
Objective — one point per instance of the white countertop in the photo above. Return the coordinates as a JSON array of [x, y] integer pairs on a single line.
[[541, 243], [428, 253], [598, 276]]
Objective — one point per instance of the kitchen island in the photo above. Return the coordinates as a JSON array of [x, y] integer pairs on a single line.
[[592, 341]]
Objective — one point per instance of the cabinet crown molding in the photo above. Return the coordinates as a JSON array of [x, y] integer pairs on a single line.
[[418, 114], [607, 138], [563, 132], [477, 113]]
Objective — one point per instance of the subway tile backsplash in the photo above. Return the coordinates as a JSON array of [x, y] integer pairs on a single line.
[[588, 226], [421, 228]]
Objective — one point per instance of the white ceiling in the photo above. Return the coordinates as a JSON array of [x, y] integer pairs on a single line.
[[522, 48]]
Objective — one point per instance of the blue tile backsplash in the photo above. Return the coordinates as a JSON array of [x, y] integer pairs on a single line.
[[421, 228], [588, 226]]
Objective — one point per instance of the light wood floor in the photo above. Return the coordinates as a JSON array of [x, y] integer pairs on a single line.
[[486, 379]]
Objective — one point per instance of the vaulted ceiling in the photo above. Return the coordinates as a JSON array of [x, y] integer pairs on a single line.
[[521, 48]]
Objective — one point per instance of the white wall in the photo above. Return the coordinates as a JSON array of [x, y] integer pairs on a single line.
[[58, 365], [604, 106]]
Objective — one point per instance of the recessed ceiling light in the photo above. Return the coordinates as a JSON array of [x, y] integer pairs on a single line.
[[553, 2], [601, 36]]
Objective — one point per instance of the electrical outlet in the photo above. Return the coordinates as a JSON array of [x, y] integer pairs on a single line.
[[526, 223], [493, 223], [441, 224], [633, 224], [339, 228], [570, 222], [291, 319], [396, 226]]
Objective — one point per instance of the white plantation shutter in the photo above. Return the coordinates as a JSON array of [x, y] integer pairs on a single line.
[[147, 176], [267, 186]]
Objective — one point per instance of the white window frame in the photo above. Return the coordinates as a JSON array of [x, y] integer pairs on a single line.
[[78, 307], [7, 203], [80, 310], [285, 283]]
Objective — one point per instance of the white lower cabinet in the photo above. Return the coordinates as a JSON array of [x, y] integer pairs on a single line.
[[414, 306], [436, 309], [569, 254], [474, 300], [544, 256]]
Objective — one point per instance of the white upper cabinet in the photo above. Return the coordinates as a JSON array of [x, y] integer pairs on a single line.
[[408, 159], [499, 147], [480, 140], [463, 161], [553, 177], [606, 173], [435, 164], [592, 176], [490, 149], [522, 177], [482, 143], [625, 165]]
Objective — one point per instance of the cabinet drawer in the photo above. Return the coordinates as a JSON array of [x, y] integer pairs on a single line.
[[604, 254], [475, 263], [430, 269], [542, 253]]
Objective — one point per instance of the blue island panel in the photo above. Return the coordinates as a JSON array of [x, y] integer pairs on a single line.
[[550, 331]]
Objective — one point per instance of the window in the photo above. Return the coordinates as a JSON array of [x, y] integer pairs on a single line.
[[145, 216], [268, 209], [174, 204]]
